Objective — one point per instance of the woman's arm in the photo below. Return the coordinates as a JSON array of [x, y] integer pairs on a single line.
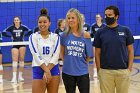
[[88, 46], [34, 50], [5, 32], [55, 56], [29, 31]]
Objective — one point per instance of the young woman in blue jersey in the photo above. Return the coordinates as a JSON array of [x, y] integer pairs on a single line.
[[97, 25], [94, 28], [76, 50], [45, 48], [1, 67], [60, 26], [86, 26], [17, 31]]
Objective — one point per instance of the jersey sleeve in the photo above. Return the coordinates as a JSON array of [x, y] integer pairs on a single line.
[[56, 31], [56, 52], [88, 27], [5, 32], [29, 31], [25, 28], [97, 40], [34, 50], [36, 29], [0, 37], [93, 30]]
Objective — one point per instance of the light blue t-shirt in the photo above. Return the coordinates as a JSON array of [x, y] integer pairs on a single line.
[[76, 51]]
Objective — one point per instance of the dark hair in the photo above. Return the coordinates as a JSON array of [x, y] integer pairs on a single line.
[[100, 16], [18, 18], [115, 9], [44, 12], [59, 22]]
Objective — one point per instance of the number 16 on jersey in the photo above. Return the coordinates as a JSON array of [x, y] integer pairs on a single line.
[[46, 50]]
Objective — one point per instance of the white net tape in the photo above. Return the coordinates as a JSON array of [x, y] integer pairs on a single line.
[[27, 43], [14, 43]]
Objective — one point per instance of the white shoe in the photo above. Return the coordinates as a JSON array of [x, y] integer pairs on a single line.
[[14, 80], [1, 80], [95, 74], [21, 79]]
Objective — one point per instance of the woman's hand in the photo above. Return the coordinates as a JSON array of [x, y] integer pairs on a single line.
[[11, 37], [47, 76]]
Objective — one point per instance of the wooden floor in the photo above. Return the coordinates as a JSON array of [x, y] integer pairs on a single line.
[[25, 87]]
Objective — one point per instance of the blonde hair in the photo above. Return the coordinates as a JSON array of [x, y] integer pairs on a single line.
[[83, 17], [59, 21], [79, 19]]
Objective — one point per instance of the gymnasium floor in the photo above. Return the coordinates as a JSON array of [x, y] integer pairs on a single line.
[[25, 87]]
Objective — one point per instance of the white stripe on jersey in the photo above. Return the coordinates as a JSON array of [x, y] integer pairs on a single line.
[[44, 50]]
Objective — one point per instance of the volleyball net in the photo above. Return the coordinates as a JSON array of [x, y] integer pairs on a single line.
[[27, 43]]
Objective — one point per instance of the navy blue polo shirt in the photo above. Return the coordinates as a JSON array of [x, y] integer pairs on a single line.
[[113, 43]]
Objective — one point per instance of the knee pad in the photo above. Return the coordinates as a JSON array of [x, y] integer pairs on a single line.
[[14, 64], [21, 63], [1, 67], [93, 59]]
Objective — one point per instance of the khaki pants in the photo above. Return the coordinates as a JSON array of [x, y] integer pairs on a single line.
[[111, 80]]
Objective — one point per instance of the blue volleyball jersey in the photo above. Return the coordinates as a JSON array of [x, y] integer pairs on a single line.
[[75, 55], [36, 29], [86, 27], [17, 34], [95, 28], [58, 31]]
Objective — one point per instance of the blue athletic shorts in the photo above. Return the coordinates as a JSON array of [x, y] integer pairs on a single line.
[[38, 72], [90, 62]]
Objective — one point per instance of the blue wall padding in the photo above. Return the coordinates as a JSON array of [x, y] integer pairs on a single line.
[[29, 12]]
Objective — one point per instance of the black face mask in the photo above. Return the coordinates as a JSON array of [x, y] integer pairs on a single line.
[[110, 20]]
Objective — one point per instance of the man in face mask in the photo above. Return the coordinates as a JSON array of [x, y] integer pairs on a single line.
[[114, 54], [111, 17]]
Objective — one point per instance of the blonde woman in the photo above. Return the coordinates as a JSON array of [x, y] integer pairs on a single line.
[[75, 52]]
